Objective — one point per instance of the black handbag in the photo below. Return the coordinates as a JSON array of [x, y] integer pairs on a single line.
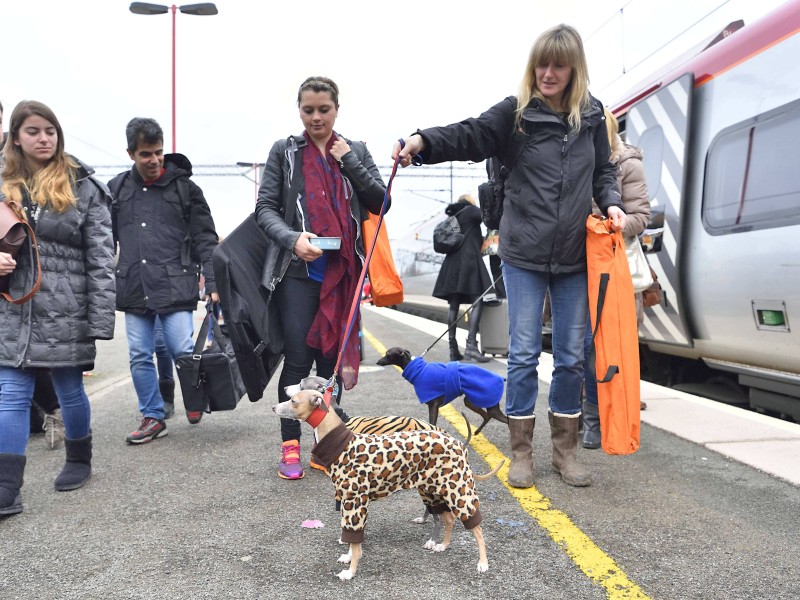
[[209, 377]]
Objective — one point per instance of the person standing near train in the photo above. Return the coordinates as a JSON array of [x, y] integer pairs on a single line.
[[463, 277], [555, 131], [636, 202]]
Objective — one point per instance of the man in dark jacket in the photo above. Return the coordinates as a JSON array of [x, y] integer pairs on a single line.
[[165, 232]]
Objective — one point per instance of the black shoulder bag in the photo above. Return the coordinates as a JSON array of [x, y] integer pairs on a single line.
[[209, 376]]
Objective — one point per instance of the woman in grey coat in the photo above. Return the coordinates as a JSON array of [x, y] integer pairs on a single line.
[[57, 328]]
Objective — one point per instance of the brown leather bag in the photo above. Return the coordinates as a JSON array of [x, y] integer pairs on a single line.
[[652, 295], [13, 232]]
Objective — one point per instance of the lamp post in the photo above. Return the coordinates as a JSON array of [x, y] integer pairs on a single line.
[[145, 8]]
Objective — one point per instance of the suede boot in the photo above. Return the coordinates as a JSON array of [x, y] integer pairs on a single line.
[[12, 466], [520, 473], [591, 425], [564, 433], [167, 389], [78, 468]]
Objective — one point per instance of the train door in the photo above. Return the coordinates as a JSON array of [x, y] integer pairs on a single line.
[[659, 124]]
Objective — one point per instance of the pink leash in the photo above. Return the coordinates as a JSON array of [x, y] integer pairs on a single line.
[[357, 295]]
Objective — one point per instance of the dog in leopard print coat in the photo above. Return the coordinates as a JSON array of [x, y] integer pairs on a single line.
[[368, 467]]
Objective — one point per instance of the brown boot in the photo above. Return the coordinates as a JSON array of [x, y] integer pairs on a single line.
[[520, 473], [564, 432]]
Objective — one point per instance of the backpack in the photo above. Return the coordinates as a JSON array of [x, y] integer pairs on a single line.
[[492, 193], [186, 209], [447, 236]]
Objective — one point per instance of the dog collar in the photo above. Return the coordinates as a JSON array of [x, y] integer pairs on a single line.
[[316, 417]]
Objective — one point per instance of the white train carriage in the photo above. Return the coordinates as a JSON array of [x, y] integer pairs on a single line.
[[721, 141]]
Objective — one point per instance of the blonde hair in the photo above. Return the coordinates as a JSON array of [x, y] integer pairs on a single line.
[[612, 126], [467, 198], [51, 184], [561, 44]]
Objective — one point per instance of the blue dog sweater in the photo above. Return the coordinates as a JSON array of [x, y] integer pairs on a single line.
[[433, 380]]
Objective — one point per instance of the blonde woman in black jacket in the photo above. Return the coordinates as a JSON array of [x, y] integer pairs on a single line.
[[553, 137], [463, 277], [57, 328]]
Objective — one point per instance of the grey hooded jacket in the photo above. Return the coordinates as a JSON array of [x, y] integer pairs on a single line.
[[75, 304]]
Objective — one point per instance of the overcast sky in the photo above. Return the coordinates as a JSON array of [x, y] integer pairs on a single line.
[[399, 66]]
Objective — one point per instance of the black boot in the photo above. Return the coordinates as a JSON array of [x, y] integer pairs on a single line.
[[78, 468], [472, 352], [454, 353], [591, 426], [167, 389], [12, 466]]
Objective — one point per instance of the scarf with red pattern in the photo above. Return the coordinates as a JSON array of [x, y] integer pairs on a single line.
[[328, 206]]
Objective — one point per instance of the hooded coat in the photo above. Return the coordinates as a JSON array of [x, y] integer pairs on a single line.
[[150, 227], [555, 173], [463, 276], [75, 303]]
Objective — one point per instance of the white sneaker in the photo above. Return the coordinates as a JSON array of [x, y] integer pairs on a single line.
[[53, 429]]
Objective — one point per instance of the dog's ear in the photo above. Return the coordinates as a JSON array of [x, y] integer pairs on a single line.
[[407, 355], [318, 400]]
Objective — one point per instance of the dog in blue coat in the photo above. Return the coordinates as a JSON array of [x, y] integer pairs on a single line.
[[438, 384]]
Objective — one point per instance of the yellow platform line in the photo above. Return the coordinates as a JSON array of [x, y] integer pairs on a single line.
[[595, 564]]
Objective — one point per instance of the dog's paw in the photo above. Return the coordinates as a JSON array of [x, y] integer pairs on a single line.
[[419, 520], [430, 545], [345, 575], [483, 567], [439, 548], [345, 558]]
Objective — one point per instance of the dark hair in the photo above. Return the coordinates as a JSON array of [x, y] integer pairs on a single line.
[[1, 107], [320, 84], [140, 129]]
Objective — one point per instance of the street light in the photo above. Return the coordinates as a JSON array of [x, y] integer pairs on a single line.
[[202, 9]]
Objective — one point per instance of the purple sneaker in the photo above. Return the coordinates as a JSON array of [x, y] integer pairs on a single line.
[[290, 467]]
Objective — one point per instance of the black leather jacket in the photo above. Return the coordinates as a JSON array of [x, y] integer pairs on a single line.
[[361, 175]]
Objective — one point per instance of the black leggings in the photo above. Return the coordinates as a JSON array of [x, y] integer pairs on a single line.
[[297, 301], [474, 319]]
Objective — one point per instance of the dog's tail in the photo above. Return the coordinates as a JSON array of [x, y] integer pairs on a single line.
[[491, 473], [469, 430]]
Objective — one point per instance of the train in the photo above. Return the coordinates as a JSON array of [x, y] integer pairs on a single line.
[[720, 131]]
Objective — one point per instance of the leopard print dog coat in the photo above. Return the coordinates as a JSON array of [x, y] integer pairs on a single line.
[[368, 467]]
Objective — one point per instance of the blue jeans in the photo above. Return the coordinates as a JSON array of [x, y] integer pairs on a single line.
[[570, 310], [163, 358], [16, 393], [178, 331]]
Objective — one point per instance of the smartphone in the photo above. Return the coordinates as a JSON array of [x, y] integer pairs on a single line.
[[326, 243]]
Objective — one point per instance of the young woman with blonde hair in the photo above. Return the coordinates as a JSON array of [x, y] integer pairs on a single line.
[[553, 138], [56, 330]]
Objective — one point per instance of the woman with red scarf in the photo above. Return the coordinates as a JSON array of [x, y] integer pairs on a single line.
[[318, 184]]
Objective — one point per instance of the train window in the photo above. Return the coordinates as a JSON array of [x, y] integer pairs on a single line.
[[752, 180], [652, 144]]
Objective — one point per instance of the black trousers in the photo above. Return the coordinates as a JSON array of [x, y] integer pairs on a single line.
[[297, 301]]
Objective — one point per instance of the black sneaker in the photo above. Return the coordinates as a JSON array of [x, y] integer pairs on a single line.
[[149, 430]]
